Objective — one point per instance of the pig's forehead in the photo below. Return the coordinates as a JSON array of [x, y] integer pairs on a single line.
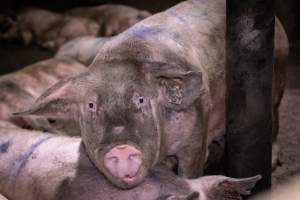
[[119, 69], [115, 85]]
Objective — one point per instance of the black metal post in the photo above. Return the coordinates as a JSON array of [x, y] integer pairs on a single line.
[[250, 43]]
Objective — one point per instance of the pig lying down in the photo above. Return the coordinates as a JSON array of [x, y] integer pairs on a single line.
[[154, 91], [48, 29], [112, 19], [38, 166], [21, 88], [82, 49]]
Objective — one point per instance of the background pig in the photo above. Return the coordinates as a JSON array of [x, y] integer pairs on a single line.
[[21, 88], [50, 29], [113, 19], [82, 49], [37, 166], [155, 90]]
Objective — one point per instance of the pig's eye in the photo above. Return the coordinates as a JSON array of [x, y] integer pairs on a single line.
[[138, 100], [92, 106], [141, 100], [51, 121]]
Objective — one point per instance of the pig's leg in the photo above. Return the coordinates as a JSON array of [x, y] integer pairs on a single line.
[[276, 155], [281, 51], [278, 89]]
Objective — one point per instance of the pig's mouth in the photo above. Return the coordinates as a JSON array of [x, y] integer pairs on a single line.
[[132, 181], [129, 181]]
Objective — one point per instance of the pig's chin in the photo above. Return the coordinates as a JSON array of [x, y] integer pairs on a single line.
[[128, 183]]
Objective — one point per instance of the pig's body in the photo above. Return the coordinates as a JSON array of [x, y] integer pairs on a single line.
[[194, 32], [112, 19], [155, 90], [38, 166], [21, 88], [50, 30], [82, 49]]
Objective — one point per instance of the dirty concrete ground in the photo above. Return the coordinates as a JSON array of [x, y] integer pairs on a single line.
[[14, 56], [289, 131]]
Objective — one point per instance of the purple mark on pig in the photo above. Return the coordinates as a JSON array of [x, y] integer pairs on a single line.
[[174, 14], [4, 147], [23, 159], [144, 32]]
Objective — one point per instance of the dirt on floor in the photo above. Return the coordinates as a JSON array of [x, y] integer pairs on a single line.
[[289, 131]]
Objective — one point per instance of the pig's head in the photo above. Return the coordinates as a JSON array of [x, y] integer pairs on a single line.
[[122, 108]]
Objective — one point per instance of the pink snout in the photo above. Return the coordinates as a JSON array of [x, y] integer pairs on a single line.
[[123, 162]]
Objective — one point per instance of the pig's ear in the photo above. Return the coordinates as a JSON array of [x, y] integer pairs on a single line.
[[225, 188], [179, 90], [59, 101], [190, 196]]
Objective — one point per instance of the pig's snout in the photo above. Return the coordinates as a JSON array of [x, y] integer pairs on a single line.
[[123, 162]]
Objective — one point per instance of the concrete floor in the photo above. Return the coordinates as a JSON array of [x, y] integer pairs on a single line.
[[289, 132]]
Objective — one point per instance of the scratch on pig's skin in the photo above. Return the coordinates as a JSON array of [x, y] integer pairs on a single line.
[[23, 159], [4, 147]]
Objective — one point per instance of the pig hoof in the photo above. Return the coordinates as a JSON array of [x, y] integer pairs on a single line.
[[276, 156]]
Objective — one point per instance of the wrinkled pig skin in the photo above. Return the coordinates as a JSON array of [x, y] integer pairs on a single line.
[[82, 49], [155, 90], [39, 166], [48, 29], [21, 88], [112, 19]]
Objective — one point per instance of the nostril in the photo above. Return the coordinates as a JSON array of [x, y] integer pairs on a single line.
[[134, 157], [113, 159], [127, 176]]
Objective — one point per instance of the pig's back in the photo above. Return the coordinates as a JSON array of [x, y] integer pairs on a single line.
[[82, 49], [33, 165], [40, 76], [20, 89]]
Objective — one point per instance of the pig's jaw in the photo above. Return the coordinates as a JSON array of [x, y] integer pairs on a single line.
[[130, 182]]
